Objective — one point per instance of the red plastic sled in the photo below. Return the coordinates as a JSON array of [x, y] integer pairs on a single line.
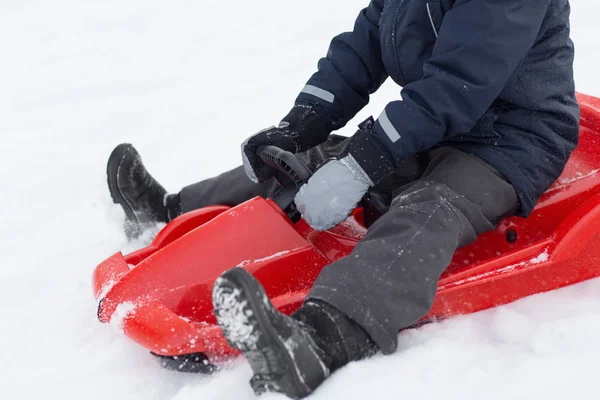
[[161, 294]]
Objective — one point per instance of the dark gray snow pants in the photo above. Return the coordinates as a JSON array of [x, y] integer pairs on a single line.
[[442, 199]]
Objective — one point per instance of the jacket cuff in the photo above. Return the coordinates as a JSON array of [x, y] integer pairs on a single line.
[[369, 154], [326, 102], [307, 125]]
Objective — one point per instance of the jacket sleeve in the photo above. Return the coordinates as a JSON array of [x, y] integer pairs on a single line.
[[351, 71], [480, 44]]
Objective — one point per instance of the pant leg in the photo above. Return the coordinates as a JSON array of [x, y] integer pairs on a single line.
[[390, 279], [230, 188]]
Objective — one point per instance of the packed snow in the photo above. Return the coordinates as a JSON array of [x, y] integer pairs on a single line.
[[186, 82]]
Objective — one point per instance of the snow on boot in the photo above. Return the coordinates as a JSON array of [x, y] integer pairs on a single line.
[[282, 351], [144, 200]]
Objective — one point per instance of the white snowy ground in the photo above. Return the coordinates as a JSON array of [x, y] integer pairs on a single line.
[[186, 81]]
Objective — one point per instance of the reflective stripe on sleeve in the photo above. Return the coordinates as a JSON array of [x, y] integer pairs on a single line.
[[388, 128], [318, 92]]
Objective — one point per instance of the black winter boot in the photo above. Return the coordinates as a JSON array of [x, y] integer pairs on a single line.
[[289, 355], [144, 200], [342, 339]]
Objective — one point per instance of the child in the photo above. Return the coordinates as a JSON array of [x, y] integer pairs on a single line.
[[486, 121]]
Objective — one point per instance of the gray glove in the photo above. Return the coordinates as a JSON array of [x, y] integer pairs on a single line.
[[336, 188], [332, 193]]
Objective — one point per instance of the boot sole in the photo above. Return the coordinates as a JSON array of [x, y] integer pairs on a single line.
[[132, 224], [248, 298]]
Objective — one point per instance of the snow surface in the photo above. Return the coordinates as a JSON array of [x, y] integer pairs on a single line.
[[186, 81]]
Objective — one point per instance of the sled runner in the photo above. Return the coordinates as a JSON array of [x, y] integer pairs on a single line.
[[161, 294]]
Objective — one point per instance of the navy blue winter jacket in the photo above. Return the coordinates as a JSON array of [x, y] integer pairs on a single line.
[[490, 77]]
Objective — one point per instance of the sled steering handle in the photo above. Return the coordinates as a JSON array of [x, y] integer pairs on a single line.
[[287, 165], [290, 172]]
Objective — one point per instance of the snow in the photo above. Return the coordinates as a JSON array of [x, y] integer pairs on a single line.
[[541, 258], [186, 82], [123, 311], [233, 315]]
